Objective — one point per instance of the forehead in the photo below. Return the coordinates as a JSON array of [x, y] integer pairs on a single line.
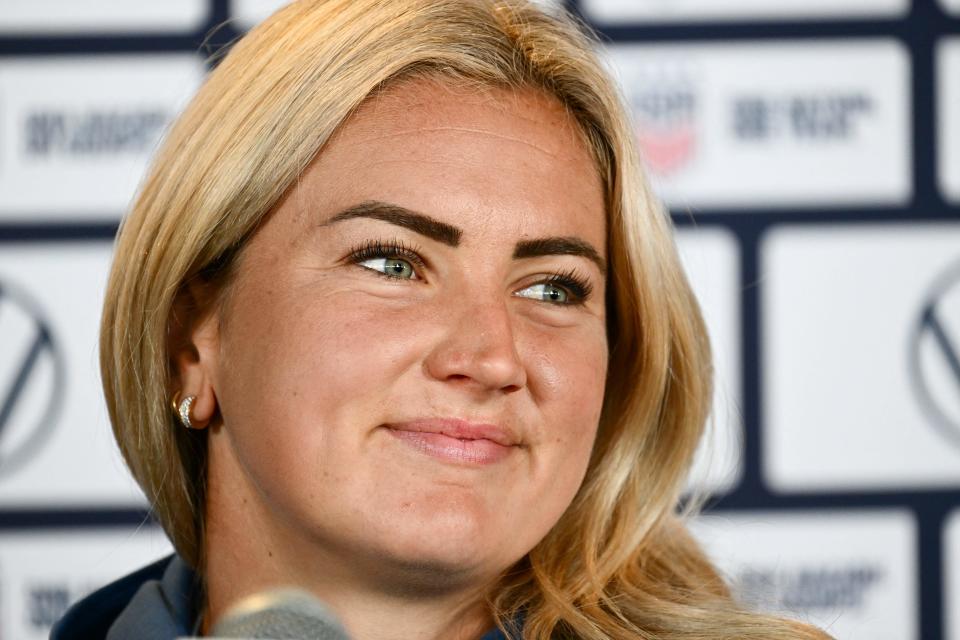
[[430, 104], [512, 157]]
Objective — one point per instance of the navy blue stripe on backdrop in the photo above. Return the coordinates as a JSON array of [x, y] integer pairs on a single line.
[[919, 31]]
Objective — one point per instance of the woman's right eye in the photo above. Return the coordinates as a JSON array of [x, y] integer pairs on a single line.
[[391, 267], [392, 260]]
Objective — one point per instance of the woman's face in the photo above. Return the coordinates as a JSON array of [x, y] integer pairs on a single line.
[[410, 361]]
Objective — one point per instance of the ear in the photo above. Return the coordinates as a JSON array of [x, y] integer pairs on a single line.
[[193, 344]]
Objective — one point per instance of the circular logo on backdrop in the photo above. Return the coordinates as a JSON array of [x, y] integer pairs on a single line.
[[32, 378], [935, 353]]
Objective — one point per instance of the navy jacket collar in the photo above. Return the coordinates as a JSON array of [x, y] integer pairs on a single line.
[[158, 602]]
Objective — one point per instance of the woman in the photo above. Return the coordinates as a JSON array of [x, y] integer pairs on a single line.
[[430, 351]]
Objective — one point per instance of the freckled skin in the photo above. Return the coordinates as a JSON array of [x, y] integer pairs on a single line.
[[318, 353]]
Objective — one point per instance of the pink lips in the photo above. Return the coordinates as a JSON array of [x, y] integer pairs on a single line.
[[455, 440]]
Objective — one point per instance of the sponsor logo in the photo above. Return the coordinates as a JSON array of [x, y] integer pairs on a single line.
[[92, 132], [32, 378], [46, 603], [807, 589], [665, 116], [813, 118], [935, 354]]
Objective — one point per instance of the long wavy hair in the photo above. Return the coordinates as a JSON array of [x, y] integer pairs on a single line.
[[619, 563]]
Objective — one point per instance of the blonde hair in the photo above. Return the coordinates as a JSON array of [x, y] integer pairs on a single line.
[[619, 563]]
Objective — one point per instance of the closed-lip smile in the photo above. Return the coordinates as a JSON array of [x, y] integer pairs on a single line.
[[456, 440]]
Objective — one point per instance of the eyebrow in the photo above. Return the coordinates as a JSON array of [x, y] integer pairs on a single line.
[[450, 235], [402, 217], [559, 246]]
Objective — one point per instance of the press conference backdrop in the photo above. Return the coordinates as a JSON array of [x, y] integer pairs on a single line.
[[809, 151]]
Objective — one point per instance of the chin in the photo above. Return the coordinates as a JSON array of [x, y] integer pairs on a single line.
[[443, 553], [425, 577]]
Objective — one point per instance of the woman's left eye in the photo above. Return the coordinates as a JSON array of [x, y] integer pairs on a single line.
[[391, 267], [546, 292], [563, 289]]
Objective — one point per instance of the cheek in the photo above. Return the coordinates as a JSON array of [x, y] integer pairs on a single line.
[[309, 355], [304, 380], [568, 385], [568, 374]]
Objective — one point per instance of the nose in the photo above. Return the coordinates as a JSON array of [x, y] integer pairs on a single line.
[[478, 349]]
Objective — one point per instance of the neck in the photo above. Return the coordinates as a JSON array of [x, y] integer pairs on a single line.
[[366, 613], [247, 551]]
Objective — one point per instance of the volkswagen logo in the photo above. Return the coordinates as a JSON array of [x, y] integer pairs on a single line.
[[31, 378], [935, 353]]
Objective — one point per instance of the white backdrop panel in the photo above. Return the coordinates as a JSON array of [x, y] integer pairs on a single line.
[[951, 6], [948, 117], [101, 16], [853, 372], [851, 573], [42, 573], [713, 10], [788, 123], [250, 12], [711, 258], [76, 133], [67, 457]]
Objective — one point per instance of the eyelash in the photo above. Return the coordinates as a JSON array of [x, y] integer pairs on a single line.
[[380, 249], [573, 282], [576, 285]]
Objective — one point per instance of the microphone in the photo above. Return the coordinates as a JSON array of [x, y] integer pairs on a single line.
[[281, 614]]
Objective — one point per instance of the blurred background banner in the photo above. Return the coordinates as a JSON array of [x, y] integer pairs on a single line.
[[797, 123], [809, 151]]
